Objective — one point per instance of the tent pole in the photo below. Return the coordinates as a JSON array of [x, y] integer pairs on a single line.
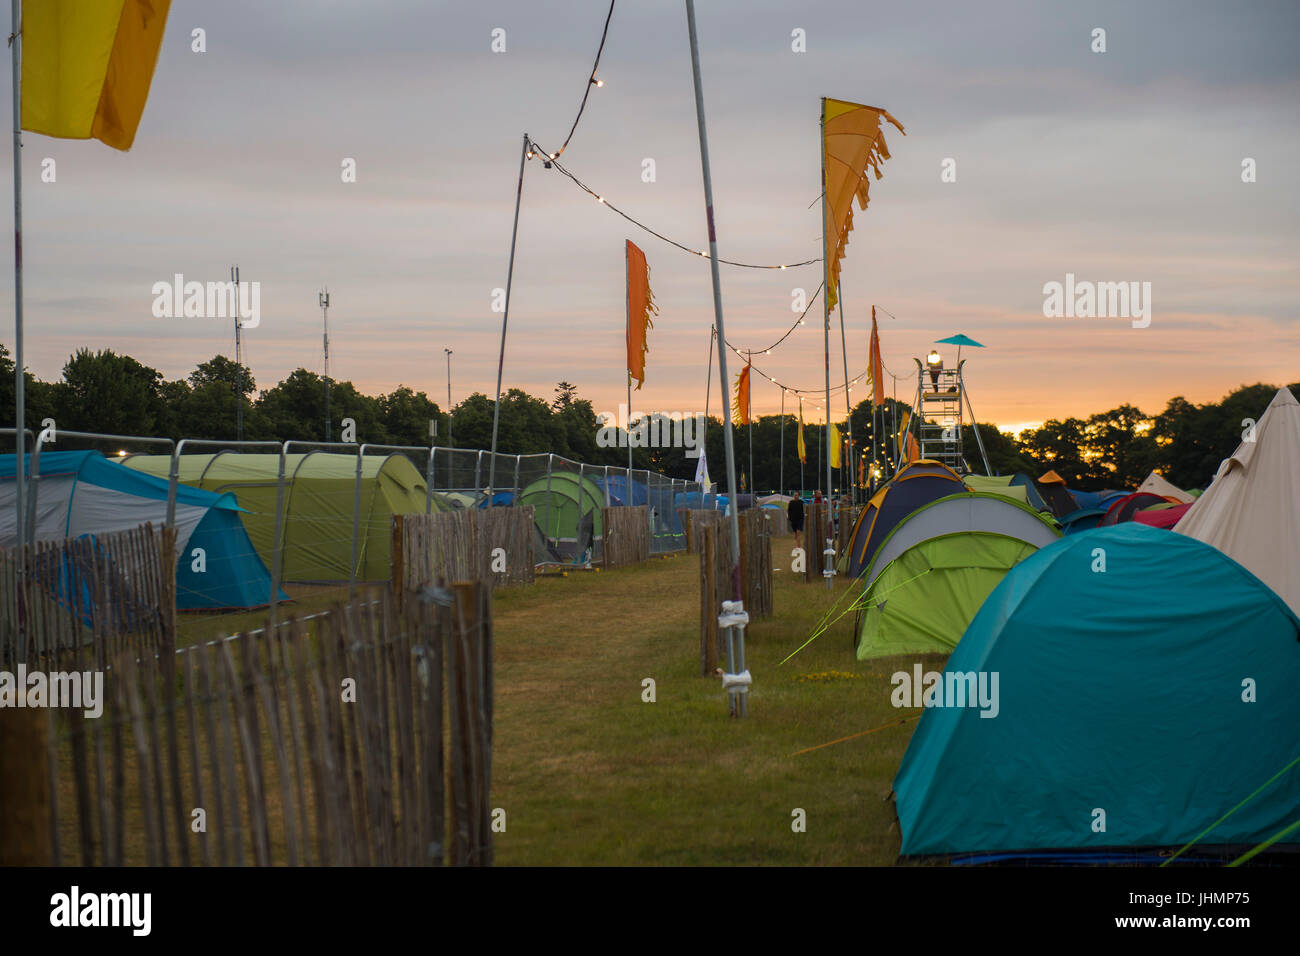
[[505, 318], [961, 383]]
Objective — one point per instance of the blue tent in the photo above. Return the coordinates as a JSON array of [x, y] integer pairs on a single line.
[[500, 499], [1097, 499], [81, 493], [916, 484], [1085, 519], [1146, 687], [667, 522], [697, 501]]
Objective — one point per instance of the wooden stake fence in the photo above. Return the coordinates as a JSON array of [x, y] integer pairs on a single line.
[[91, 597], [317, 743], [462, 546], [626, 532]]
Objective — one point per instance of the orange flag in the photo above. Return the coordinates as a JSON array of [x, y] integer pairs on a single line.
[[877, 366], [740, 407], [853, 145], [640, 304]]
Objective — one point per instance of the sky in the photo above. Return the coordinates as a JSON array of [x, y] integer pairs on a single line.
[[1123, 165]]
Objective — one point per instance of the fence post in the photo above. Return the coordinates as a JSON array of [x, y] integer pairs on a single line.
[[515, 490], [397, 583]]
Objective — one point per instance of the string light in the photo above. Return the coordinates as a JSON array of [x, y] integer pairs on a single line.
[[554, 163], [591, 81]]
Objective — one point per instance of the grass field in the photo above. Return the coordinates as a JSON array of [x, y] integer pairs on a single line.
[[588, 773]]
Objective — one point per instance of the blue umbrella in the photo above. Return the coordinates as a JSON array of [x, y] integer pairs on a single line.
[[959, 340]]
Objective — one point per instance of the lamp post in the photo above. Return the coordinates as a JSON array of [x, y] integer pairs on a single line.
[[324, 297], [449, 441]]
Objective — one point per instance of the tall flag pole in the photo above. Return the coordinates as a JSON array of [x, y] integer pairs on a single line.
[[640, 304], [848, 404], [20, 469], [826, 306], [717, 297], [853, 146], [800, 447], [505, 319], [781, 456], [80, 71]]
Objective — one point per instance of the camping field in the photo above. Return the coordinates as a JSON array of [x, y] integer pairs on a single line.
[[588, 773]]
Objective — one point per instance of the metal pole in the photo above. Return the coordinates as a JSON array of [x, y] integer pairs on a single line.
[[782, 455], [450, 443], [796, 448], [20, 410], [239, 358], [428, 482], [848, 404], [708, 388], [826, 307], [961, 384], [277, 554], [356, 525], [505, 319], [627, 278], [749, 386], [325, 321], [717, 300], [719, 325]]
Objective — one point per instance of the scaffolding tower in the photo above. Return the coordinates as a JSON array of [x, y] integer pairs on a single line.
[[939, 413]]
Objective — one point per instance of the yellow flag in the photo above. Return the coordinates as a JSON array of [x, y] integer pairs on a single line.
[[87, 66], [853, 144], [835, 447], [740, 406], [803, 452], [903, 428]]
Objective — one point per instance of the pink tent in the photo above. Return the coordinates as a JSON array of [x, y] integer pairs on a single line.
[[1161, 517]]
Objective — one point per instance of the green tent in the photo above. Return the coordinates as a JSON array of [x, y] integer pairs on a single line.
[[923, 600], [561, 503], [997, 486], [320, 493]]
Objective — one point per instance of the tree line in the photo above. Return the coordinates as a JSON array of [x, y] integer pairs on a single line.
[[116, 394]]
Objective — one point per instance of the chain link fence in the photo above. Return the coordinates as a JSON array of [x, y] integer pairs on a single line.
[[567, 497], [315, 514]]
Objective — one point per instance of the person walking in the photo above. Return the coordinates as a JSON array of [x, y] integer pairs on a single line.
[[795, 510]]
